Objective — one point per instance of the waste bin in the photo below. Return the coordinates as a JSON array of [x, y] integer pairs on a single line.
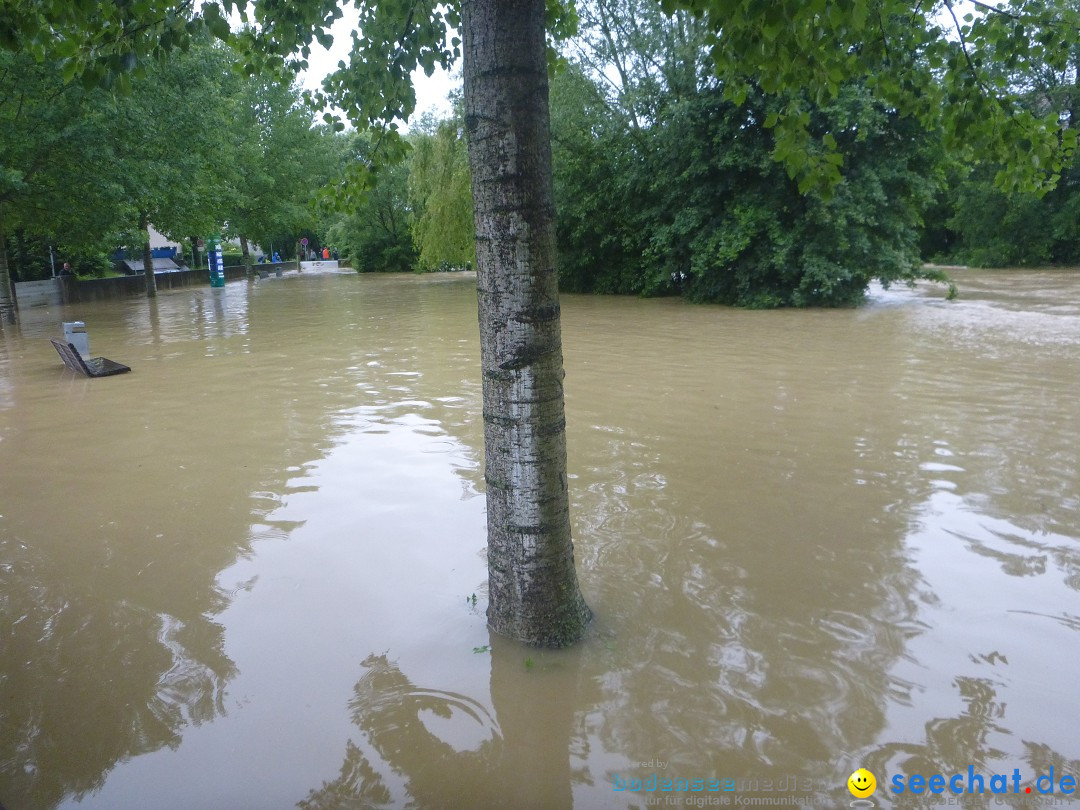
[[75, 334]]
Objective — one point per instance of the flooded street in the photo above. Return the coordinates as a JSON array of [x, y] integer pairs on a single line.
[[251, 573]]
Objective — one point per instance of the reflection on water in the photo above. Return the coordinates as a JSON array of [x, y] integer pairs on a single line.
[[251, 572]]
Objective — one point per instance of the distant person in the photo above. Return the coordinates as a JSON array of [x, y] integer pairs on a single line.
[[334, 253], [277, 257], [326, 253], [67, 271]]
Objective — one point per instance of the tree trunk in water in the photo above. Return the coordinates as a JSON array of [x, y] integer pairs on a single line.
[[195, 263], [246, 259], [532, 585], [147, 259], [7, 288]]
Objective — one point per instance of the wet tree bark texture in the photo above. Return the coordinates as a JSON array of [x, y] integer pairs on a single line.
[[532, 583]]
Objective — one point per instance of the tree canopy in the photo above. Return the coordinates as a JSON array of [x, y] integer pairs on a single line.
[[986, 85], [966, 73], [666, 186], [376, 235], [963, 72], [190, 146], [440, 196]]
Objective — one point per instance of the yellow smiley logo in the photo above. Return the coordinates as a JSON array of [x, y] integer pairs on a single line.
[[862, 784]]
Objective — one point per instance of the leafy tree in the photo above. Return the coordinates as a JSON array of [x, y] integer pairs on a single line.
[[532, 584], [597, 155], [742, 233], [981, 223], [279, 162], [713, 215], [377, 235], [49, 133], [994, 228], [170, 146], [441, 197], [954, 76]]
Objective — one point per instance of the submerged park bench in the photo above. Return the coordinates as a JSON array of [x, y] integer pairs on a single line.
[[94, 367]]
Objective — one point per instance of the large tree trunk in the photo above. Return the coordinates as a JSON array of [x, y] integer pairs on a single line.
[[147, 259], [532, 585], [7, 288]]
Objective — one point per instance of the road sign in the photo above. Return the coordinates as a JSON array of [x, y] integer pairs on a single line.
[[304, 241]]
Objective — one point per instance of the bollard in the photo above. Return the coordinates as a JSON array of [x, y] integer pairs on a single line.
[[75, 334]]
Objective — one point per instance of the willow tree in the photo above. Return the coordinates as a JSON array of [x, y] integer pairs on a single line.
[[440, 193]]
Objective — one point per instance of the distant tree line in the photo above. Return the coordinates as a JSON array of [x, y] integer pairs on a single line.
[[666, 186], [664, 183]]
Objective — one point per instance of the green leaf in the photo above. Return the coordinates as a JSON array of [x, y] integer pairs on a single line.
[[219, 27]]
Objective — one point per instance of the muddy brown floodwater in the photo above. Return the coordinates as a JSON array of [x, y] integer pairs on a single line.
[[250, 573]]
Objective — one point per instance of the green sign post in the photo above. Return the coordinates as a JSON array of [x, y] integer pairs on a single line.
[[214, 260]]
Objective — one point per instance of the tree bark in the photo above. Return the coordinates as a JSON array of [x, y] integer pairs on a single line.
[[7, 288], [532, 584], [148, 259]]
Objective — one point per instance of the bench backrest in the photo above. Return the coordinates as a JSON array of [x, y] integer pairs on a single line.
[[92, 367], [71, 357]]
